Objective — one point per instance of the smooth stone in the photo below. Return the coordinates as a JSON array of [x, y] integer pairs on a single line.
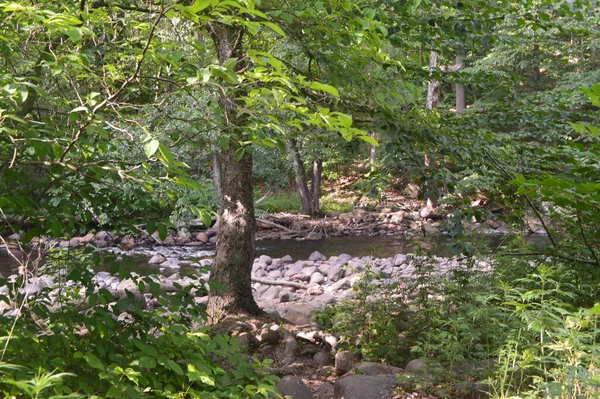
[[296, 268], [317, 256], [271, 293], [274, 274], [344, 361], [323, 358], [399, 259], [202, 237], [287, 259], [335, 273], [278, 263], [293, 387], [317, 278], [366, 387], [267, 260], [371, 368], [157, 259]]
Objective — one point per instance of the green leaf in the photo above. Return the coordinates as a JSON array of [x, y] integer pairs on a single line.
[[368, 139], [199, 5], [162, 231], [166, 153], [274, 27], [56, 228], [151, 147], [324, 87], [93, 361], [75, 34]]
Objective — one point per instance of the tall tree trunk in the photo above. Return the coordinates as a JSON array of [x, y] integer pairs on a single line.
[[433, 89], [373, 150], [301, 182], [315, 187], [461, 90], [230, 275], [216, 172]]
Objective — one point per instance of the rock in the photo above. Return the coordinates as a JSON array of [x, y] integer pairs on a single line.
[[277, 263], [323, 358], [345, 218], [335, 273], [315, 290], [325, 390], [344, 258], [258, 266], [424, 367], [267, 260], [399, 260], [365, 387], [287, 259], [212, 240], [317, 278], [271, 293], [314, 236], [169, 241], [275, 274], [268, 336], [344, 362], [296, 268], [324, 299], [102, 236], [157, 259], [293, 387], [284, 296], [430, 228], [317, 256], [86, 238], [358, 215], [298, 314], [202, 237], [370, 368]]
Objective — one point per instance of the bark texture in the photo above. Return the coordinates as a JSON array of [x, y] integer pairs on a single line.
[[433, 89], [309, 199], [230, 274]]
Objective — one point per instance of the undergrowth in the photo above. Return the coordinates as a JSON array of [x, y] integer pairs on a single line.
[[73, 339], [525, 330]]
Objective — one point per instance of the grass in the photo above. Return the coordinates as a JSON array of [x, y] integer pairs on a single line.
[[290, 202]]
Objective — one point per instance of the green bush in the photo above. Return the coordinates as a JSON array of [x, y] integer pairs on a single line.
[[74, 339]]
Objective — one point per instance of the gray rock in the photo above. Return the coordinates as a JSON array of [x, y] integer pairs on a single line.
[[315, 290], [335, 273], [341, 284], [344, 258], [317, 256], [274, 274], [293, 387], [258, 266], [309, 270], [287, 259], [424, 367], [298, 314], [344, 361], [296, 268], [267, 260], [325, 390], [260, 273], [317, 278], [370, 368], [314, 236], [157, 259], [202, 237], [323, 358], [278, 263], [271, 293], [324, 299], [399, 259], [366, 387]]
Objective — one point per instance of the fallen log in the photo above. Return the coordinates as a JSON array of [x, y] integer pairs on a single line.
[[282, 283]]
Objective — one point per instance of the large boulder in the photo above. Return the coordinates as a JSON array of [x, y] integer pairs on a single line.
[[292, 387], [317, 256], [366, 387]]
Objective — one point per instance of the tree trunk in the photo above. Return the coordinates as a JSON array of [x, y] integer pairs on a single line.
[[301, 182], [461, 91], [230, 275], [433, 89], [216, 172], [315, 187], [373, 151]]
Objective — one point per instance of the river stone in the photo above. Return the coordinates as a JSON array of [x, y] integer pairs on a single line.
[[323, 267], [296, 313], [284, 296], [366, 387], [399, 260], [310, 270], [258, 266], [314, 236], [344, 362], [371, 368], [260, 273], [293, 387], [274, 274], [323, 358], [272, 293], [202, 237], [358, 215], [424, 367], [212, 240], [287, 259], [341, 284], [278, 263], [344, 258], [317, 256], [315, 290], [335, 273], [356, 264], [317, 278], [267, 260], [157, 259], [296, 268]]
